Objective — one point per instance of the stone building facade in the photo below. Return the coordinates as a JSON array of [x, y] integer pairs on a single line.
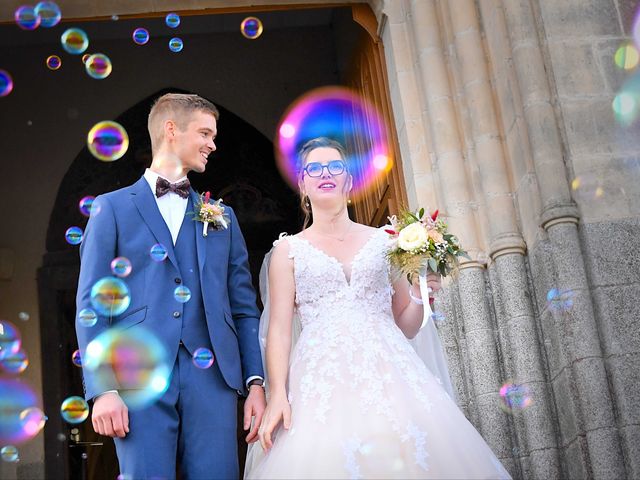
[[503, 110]]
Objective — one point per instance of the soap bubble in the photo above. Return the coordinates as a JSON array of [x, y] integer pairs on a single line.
[[24, 316], [182, 294], [251, 28], [98, 66], [176, 45], [86, 204], [49, 13], [108, 141], [6, 83], [74, 41], [9, 454], [158, 252], [140, 36], [74, 410], [27, 18], [110, 296], [15, 398], [203, 358], [15, 363], [172, 20], [33, 420], [87, 318], [515, 396], [54, 62], [10, 340], [74, 235], [76, 358], [121, 266]]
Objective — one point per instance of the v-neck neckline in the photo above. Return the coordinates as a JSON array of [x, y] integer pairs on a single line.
[[341, 264]]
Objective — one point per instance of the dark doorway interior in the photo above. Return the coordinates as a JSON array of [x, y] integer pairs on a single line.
[[242, 172]]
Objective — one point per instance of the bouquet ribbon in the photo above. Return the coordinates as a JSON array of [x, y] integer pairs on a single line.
[[424, 292]]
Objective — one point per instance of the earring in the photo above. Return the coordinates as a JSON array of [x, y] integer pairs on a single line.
[[348, 201]]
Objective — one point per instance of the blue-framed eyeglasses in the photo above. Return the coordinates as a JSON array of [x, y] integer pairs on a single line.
[[315, 169]]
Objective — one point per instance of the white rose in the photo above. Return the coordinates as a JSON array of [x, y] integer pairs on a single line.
[[412, 236]]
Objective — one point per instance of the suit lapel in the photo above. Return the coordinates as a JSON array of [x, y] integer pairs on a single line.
[[201, 245], [145, 202]]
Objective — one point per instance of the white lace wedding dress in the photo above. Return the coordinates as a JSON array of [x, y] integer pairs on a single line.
[[363, 403]]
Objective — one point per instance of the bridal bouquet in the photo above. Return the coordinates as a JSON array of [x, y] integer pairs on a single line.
[[421, 243]]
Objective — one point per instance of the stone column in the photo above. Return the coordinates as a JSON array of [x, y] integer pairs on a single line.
[[582, 393], [483, 365], [507, 247]]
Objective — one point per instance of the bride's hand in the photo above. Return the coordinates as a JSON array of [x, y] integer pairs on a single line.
[[278, 409]]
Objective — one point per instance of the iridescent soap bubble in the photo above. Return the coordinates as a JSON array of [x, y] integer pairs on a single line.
[[54, 62], [87, 318], [74, 235], [15, 398], [15, 363], [76, 358], [182, 294], [587, 187], [74, 41], [514, 397], [140, 36], [9, 454], [251, 28], [132, 361], [121, 266], [85, 57], [24, 316], [110, 296], [33, 420], [560, 300], [50, 14], [203, 358], [74, 410], [108, 141], [342, 115], [98, 66], [158, 252], [10, 340], [6, 83], [172, 20], [27, 18], [85, 205], [176, 45], [626, 57]]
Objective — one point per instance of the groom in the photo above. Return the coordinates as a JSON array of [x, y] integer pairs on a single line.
[[194, 422]]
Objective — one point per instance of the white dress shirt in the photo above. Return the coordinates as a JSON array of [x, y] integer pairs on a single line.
[[171, 205]]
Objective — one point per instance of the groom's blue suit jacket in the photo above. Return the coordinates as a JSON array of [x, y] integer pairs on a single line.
[[127, 223]]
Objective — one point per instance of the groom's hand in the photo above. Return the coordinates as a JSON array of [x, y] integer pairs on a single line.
[[110, 415], [254, 406]]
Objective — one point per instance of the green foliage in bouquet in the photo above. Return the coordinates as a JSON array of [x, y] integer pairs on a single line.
[[421, 243]]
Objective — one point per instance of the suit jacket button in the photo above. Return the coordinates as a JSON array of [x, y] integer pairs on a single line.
[[177, 280], [176, 314]]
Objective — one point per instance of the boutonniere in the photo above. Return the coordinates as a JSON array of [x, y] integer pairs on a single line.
[[209, 212]]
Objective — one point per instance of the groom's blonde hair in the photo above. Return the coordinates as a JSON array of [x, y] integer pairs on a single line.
[[178, 107]]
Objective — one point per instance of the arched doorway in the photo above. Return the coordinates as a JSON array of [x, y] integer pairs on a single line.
[[242, 171]]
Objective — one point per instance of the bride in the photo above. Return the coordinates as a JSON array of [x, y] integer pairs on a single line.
[[351, 398]]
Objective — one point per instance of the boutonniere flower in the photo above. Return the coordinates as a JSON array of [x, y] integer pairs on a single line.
[[209, 212]]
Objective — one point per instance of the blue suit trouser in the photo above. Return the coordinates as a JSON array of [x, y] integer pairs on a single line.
[[193, 424]]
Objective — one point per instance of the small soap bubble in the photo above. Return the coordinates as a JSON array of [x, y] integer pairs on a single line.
[[86, 205], [74, 41], [172, 20], [98, 66], [33, 420], [203, 358], [121, 266], [50, 14], [10, 340], [158, 252], [9, 454], [54, 62], [115, 18], [85, 57], [514, 396], [74, 410], [560, 300], [24, 316], [87, 318], [110, 296], [176, 45], [16, 363], [140, 36], [76, 358], [27, 18], [61, 437], [6, 83], [626, 57], [74, 235], [251, 28], [108, 141], [182, 294]]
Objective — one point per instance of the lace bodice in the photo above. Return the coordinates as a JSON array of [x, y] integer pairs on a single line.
[[323, 293]]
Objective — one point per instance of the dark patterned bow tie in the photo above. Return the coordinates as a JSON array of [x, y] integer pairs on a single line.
[[181, 188]]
